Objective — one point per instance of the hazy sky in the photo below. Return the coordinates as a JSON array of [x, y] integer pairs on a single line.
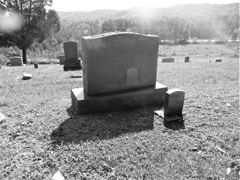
[[89, 5]]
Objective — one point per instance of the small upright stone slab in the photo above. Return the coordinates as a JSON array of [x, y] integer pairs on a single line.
[[61, 59], [16, 61], [168, 60], [187, 59], [36, 65], [71, 56], [218, 60], [173, 105]]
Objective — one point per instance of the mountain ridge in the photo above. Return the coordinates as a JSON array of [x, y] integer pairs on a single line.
[[182, 10]]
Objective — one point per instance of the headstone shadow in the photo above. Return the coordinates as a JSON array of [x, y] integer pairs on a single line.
[[102, 126]]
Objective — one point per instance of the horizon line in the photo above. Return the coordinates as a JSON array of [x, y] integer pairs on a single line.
[[87, 11]]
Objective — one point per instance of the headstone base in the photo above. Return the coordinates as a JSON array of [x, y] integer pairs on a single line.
[[83, 103], [71, 68], [168, 118], [72, 65]]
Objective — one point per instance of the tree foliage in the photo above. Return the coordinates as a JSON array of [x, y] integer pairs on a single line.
[[38, 23]]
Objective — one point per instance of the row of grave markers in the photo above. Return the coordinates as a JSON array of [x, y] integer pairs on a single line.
[[74, 62]]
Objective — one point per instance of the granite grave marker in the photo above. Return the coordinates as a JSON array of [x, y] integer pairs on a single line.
[[71, 61], [168, 60], [16, 61], [119, 72]]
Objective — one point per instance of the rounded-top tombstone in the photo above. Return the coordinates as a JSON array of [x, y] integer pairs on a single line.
[[71, 61], [70, 50], [174, 101], [115, 62]]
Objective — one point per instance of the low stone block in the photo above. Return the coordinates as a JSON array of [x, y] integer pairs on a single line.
[[187, 59], [26, 76], [218, 60], [16, 61], [174, 101], [168, 60], [168, 118], [83, 103], [72, 65]]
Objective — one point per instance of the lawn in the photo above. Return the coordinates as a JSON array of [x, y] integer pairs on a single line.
[[38, 137]]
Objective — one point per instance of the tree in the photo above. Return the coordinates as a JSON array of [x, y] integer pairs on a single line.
[[37, 23]]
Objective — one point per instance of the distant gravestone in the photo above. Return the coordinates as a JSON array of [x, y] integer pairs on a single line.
[[61, 59], [168, 60], [187, 59], [119, 72], [26, 76], [218, 60], [35, 65], [71, 56], [174, 101], [16, 61]]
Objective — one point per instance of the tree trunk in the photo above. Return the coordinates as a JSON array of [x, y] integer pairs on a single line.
[[24, 55]]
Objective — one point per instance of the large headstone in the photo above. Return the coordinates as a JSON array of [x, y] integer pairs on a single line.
[[118, 62], [119, 72], [16, 61], [71, 56], [168, 60]]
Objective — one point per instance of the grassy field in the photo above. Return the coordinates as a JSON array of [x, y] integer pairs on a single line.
[[38, 137]]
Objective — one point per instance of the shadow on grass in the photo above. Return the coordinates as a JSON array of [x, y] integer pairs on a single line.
[[103, 126]]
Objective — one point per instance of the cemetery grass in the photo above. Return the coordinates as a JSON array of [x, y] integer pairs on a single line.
[[39, 138]]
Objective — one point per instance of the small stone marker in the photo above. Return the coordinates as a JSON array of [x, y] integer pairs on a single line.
[[187, 59], [16, 61], [61, 59], [168, 60], [218, 60], [35, 65], [26, 76], [173, 104], [71, 56], [2, 117]]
